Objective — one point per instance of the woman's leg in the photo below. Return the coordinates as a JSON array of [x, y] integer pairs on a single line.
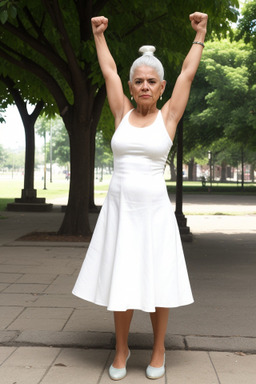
[[122, 327], [159, 320]]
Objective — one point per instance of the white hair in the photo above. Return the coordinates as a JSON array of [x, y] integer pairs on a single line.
[[149, 60]]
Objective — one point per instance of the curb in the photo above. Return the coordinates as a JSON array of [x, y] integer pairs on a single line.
[[144, 341]]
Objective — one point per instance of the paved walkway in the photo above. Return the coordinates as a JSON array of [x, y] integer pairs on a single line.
[[201, 203], [49, 336], [34, 365]]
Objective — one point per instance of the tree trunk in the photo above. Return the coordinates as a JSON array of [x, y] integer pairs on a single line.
[[76, 219], [195, 172], [223, 177], [242, 161], [191, 169], [29, 193], [252, 168]]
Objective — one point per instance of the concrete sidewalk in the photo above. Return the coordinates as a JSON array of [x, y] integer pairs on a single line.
[[42, 365], [49, 336]]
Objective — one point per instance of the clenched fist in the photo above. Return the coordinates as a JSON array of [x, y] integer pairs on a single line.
[[99, 24], [198, 21]]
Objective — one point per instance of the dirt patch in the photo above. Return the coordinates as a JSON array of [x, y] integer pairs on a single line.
[[53, 236]]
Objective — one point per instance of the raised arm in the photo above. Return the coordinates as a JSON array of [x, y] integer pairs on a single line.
[[118, 102], [175, 106]]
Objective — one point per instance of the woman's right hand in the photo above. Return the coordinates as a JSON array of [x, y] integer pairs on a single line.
[[199, 21], [99, 24]]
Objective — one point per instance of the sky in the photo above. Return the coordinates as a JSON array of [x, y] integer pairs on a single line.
[[12, 135], [12, 132]]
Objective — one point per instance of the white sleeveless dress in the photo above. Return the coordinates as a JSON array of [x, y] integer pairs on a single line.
[[135, 258]]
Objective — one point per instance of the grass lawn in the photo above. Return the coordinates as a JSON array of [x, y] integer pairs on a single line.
[[11, 188], [3, 203], [225, 188]]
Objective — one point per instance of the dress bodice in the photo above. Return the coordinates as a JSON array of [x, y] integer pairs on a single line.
[[141, 150]]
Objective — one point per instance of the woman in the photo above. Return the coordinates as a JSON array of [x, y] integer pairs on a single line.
[[135, 259]]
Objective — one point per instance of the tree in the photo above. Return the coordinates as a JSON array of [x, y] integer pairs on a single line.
[[59, 138], [220, 114], [223, 98], [60, 143], [53, 41], [103, 154], [1, 115], [28, 193], [247, 23], [3, 155], [16, 88], [170, 162], [14, 160]]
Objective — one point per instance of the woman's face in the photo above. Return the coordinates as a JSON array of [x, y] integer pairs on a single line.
[[146, 87]]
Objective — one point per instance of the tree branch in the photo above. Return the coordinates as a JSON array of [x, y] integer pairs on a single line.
[[56, 16], [84, 11], [141, 24], [46, 50], [38, 28], [28, 65], [20, 103], [38, 108]]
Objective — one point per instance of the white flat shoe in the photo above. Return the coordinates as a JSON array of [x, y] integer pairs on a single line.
[[118, 373], [155, 373]]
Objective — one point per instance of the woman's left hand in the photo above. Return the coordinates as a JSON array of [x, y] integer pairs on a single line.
[[199, 21]]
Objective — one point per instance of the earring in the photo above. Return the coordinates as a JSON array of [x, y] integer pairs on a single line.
[[161, 97], [131, 97]]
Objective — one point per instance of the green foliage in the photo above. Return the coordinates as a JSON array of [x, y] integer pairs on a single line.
[[60, 143], [106, 124], [199, 153], [247, 24], [103, 154], [8, 10], [2, 120], [216, 188], [221, 107], [224, 150], [3, 155], [37, 38], [55, 130], [11, 159]]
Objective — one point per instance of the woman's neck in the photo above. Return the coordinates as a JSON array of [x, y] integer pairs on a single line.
[[146, 110]]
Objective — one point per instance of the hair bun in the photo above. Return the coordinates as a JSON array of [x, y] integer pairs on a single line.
[[147, 50]]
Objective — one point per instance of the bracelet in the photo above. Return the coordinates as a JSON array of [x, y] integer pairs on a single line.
[[198, 42]]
